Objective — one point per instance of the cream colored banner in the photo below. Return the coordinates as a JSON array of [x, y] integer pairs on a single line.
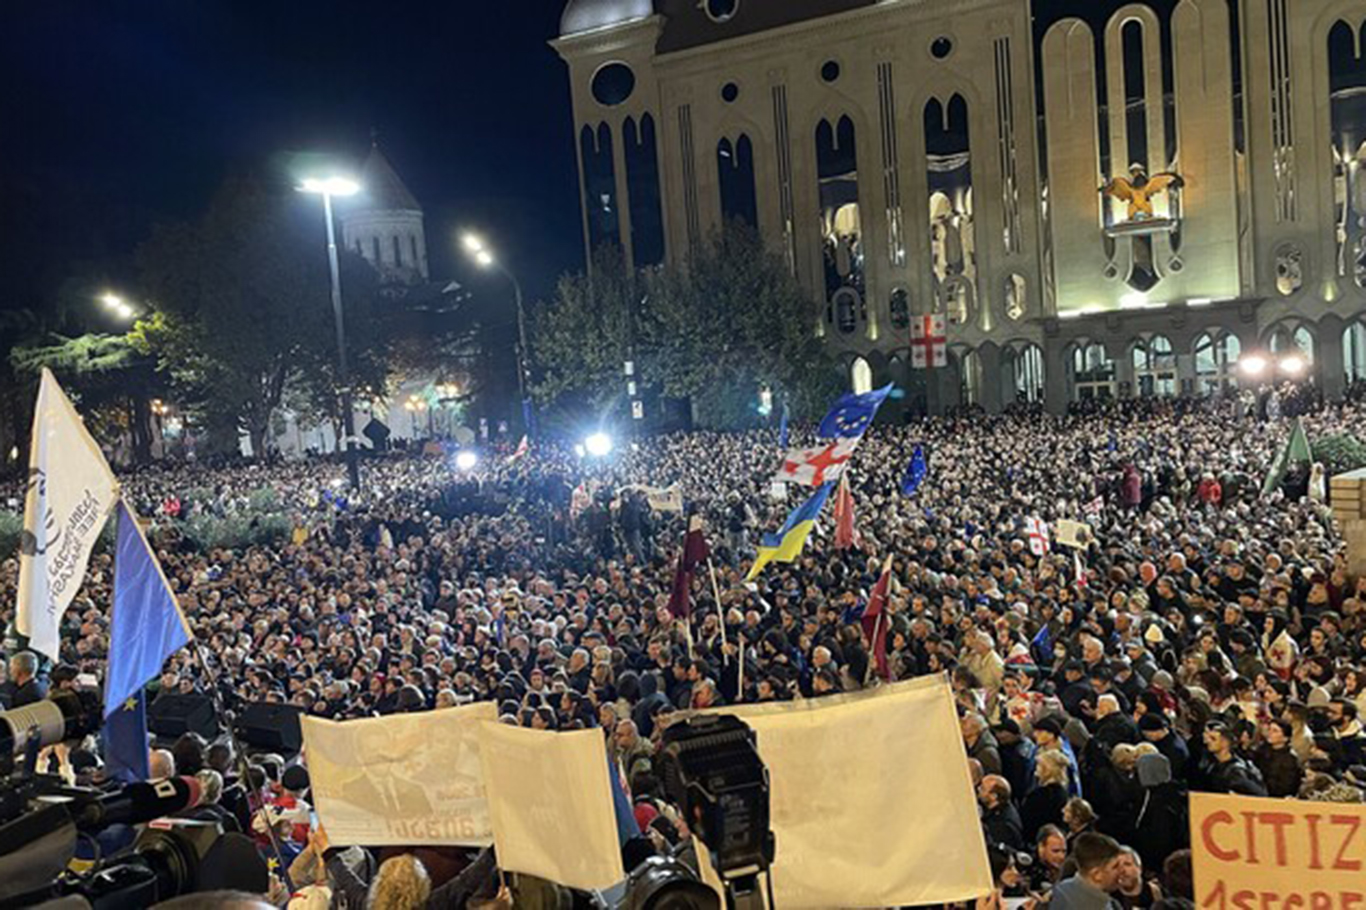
[[70, 493], [551, 803], [872, 802], [1251, 852], [401, 780]]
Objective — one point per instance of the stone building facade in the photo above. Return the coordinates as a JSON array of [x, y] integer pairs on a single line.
[[1101, 198]]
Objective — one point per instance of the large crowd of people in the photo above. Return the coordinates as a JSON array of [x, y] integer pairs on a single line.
[[1204, 636]]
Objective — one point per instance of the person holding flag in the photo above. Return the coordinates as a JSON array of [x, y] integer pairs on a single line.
[[844, 426], [146, 628], [916, 472], [787, 544], [70, 493]]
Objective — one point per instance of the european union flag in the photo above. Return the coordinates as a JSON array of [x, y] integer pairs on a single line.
[[125, 741], [853, 414], [147, 626], [916, 472]]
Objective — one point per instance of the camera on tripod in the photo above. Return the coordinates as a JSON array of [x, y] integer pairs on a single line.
[[711, 769]]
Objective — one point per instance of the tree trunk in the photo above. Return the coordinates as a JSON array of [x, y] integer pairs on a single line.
[[139, 425]]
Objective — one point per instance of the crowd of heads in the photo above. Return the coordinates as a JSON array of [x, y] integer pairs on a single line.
[[1203, 635]]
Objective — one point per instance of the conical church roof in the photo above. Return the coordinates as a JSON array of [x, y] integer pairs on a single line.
[[382, 188]]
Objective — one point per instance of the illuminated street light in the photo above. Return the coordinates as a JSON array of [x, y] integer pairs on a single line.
[[327, 187], [1293, 364], [466, 460], [474, 246], [330, 186], [1252, 365], [598, 445], [113, 301]]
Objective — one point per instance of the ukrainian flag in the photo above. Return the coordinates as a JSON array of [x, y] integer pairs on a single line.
[[786, 545]]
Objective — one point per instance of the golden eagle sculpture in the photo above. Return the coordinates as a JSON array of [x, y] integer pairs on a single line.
[[1139, 189]]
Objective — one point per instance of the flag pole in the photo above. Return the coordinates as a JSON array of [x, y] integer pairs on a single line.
[[872, 645], [242, 769], [720, 610]]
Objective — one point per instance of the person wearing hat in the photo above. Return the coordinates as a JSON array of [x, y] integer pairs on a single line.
[[1155, 728], [1047, 734]]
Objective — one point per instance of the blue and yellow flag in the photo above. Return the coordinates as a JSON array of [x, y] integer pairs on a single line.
[[146, 628], [786, 545]]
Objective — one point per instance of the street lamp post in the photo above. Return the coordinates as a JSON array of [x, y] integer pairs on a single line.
[[482, 255], [339, 186]]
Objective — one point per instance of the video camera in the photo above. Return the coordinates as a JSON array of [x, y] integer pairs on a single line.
[[42, 821]]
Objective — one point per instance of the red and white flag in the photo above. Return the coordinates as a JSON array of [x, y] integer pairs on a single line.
[[846, 530], [874, 625], [1079, 568], [522, 448], [929, 342], [818, 465], [1039, 541], [1094, 507]]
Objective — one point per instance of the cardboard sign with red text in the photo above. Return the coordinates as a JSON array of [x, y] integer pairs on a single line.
[[1277, 854]]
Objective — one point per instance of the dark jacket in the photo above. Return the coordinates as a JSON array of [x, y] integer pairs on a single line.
[[1043, 806], [1280, 770], [1002, 826]]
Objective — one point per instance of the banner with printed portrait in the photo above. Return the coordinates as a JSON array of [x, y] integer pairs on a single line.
[[406, 779]]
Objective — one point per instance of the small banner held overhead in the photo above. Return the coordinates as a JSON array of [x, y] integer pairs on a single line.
[[550, 800], [401, 780]]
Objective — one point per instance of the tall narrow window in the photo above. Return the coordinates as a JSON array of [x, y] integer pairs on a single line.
[[600, 187], [735, 165], [1347, 85], [953, 246], [840, 222], [374, 244], [412, 248], [1135, 95], [398, 252], [642, 178]]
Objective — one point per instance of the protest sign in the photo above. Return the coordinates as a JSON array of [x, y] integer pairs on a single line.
[[406, 779], [1249, 852], [835, 766], [550, 800]]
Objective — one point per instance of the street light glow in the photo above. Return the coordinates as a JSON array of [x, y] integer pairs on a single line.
[[484, 258], [330, 186], [1252, 365], [598, 445], [124, 311], [1293, 364], [473, 243], [466, 460], [111, 300]]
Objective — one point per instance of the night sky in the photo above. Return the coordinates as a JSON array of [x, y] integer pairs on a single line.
[[117, 114]]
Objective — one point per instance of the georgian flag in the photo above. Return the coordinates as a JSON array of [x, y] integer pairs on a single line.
[[818, 465], [1039, 541]]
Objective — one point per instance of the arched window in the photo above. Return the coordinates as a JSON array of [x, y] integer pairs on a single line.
[[1347, 104], [1028, 373], [900, 309], [1216, 362], [1093, 372], [860, 376], [840, 221], [599, 186], [948, 168], [969, 365], [642, 179], [735, 165], [845, 304], [1354, 352], [1155, 367], [1292, 338]]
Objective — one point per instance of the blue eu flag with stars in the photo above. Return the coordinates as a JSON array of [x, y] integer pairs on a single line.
[[916, 472], [146, 628], [125, 741], [853, 414]]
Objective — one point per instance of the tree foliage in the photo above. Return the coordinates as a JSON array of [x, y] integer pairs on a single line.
[[241, 300], [732, 321]]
